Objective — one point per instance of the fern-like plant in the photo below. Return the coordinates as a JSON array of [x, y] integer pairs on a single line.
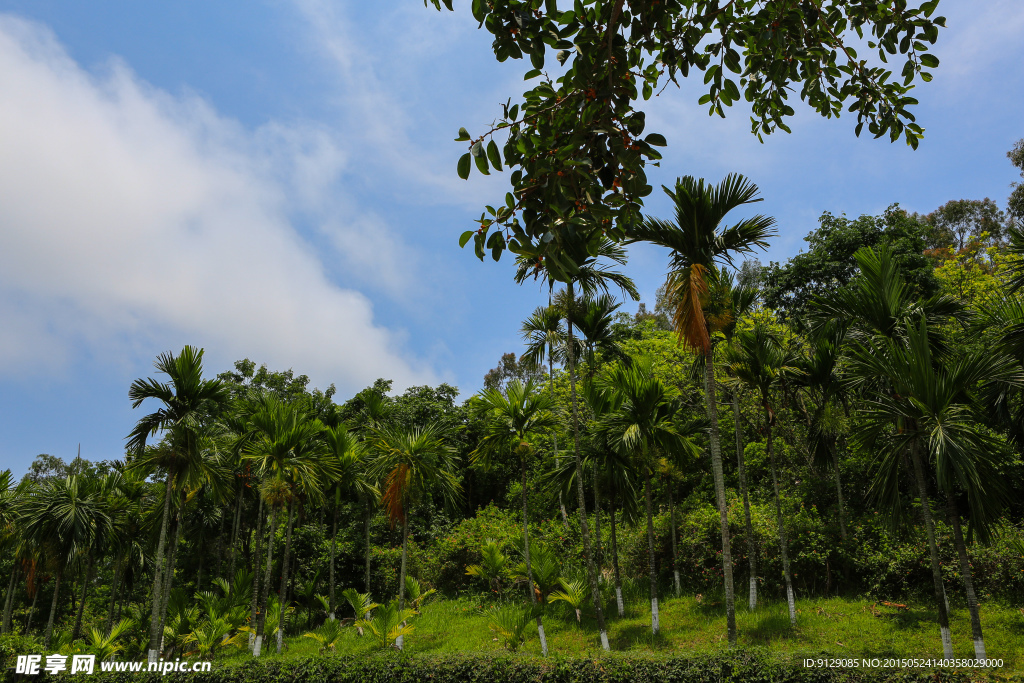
[[510, 623], [327, 634], [106, 647], [415, 594], [362, 604], [493, 566], [573, 593], [387, 624]]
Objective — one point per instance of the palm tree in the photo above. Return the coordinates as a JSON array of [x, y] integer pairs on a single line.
[[738, 301], [641, 423], [187, 399], [288, 455], [698, 248], [926, 406], [511, 421], [761, 361], [593, 274], [350, 458], [63, 517], [411, 463], [544, 335]]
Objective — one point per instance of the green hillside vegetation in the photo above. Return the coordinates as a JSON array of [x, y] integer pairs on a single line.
[[819, 456]]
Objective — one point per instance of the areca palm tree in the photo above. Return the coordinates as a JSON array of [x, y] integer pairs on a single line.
[[927, 408], [350, 477], [761, 361], [593, 274], [64, 518], [186, 399], [411, 463], [287, 452], [698, 247], [734, 302], [641, 423], [512, 419], [544, 335]]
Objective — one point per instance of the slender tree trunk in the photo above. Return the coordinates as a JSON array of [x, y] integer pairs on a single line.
[[9, 598], [261, 623], [158, 572], [199, 570], [283, 598], [366, 530], [334, 552], [839, 488], [672, 519], [588, 550], [615, 565], [31, 610], [172, 559], [254, 598], [742, 471], [400, 642], [554, 436], [965, 570], [933, 550], [53, 610], [723, 511], [77, 630], [651, 571], [115, 591], [598, 554], [236, 525], [783, 543], [529, 567]]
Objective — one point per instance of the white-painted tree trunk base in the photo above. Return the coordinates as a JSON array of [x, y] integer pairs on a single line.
[[618, 601], [654, 616], [792, 605], [152, 656], [543, 640], [257, 646], [979, 649], [332, 616], [947, 642], [604, 642], [280, 636], [400, 642], [753, 592], [676, 573]]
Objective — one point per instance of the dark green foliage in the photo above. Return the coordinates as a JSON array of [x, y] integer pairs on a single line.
[[737, 666], [828, 264]]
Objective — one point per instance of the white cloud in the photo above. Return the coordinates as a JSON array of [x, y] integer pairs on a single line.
[[126, 213]]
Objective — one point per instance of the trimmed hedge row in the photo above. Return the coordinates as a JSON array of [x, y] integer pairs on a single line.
[[739, 666]]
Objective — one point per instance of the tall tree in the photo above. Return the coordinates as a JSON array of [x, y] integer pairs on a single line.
[[186, 399], [924, 406], [513, 420], [761, 361], [697, 247], [412, 462]]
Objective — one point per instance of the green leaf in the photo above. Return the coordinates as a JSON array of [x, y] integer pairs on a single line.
[[481, 164], [464, 165], [929, 60], [477, 149], [532, 73], [466, 237], [463, 135], [656, 140], [493, 155]]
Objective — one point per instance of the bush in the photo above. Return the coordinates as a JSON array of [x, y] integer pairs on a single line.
[[748, 666]]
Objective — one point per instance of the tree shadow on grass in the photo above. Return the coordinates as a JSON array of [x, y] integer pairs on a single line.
[[910, 619], [770, 627], [638, 635]]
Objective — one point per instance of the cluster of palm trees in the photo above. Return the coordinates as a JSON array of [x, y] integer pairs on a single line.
[[874, 368], [873, 364]]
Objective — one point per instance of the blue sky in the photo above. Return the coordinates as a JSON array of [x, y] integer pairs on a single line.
[[275, 179]]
